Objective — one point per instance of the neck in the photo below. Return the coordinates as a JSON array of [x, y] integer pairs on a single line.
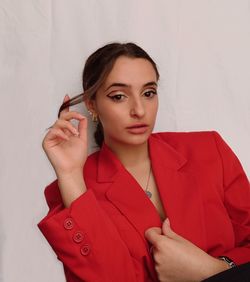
[[130, 155]]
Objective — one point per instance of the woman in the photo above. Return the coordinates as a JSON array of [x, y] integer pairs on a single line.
[[145, 207]]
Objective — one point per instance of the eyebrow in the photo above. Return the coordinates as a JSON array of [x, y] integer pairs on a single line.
[[151, 83]]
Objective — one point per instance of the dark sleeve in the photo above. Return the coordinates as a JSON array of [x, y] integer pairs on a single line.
[[237, 200], [236, 274]]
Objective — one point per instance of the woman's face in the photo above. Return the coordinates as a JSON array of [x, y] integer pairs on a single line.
[[127, 102]]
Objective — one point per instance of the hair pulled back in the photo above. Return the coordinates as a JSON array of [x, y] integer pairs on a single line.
[[97, 68]]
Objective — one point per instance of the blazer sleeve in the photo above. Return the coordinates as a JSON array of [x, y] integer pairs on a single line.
[[236, 200], [85, 240]]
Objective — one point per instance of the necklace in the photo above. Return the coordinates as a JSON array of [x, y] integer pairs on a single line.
[[148, 193]]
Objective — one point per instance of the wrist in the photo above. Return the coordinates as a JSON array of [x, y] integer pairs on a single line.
[[67, 175], [222, 266], [213, 267], [71, 187]]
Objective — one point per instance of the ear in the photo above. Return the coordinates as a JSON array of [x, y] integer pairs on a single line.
[[90, 105]]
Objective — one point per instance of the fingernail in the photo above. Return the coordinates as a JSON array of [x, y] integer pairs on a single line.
[[76, 132], [167, 221]]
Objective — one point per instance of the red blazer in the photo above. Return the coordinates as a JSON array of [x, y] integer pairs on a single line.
[[204, 191]]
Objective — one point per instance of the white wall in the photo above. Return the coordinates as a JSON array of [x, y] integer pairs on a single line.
[[201, 48]]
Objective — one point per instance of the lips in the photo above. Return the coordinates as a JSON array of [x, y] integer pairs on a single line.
[[137, 126]]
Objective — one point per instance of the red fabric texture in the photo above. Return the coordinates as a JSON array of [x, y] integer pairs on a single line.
[[204, 191]]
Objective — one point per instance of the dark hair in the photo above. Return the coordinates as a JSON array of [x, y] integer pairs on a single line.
[[97, 68]]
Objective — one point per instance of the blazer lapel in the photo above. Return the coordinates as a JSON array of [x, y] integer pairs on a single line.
[[125, 192], [129, 198], [178, 189]]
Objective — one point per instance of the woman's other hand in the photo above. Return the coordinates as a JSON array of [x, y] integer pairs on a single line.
[[177, 259]]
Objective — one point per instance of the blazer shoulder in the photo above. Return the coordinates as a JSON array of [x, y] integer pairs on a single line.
[[197, 144], [185, 136]]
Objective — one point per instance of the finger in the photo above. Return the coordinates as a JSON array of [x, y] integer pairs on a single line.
[[56, 133], [152, 234], [167, 230], [82, 128], [71, 115], [67, 127], [66, 98]]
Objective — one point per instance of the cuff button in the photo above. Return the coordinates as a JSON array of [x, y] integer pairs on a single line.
[[78, 237], [85, 249], [68, 223]]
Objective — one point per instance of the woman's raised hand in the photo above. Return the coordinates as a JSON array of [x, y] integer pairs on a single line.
[[65, 145]]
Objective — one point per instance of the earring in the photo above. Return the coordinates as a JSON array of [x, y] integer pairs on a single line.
[[94, 117]]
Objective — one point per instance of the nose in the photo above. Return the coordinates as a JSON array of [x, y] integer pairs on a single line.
[[137, 109]]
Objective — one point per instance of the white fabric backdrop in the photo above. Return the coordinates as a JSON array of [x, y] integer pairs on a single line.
[[201, 48]]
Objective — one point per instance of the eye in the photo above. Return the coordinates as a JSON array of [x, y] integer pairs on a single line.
[[150, 93], [117, 97]]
